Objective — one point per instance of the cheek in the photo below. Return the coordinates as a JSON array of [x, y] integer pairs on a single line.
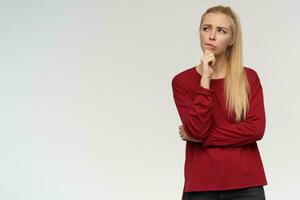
[[202, 40], [224, 43], [201, 37]]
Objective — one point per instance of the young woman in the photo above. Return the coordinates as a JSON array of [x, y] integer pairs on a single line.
[[221, 107]]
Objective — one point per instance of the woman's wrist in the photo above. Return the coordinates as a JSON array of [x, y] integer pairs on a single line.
[[205, 81]]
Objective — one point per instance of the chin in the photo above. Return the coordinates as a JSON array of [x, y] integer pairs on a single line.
[[214, 51]]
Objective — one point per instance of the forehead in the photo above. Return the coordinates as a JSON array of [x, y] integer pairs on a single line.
[[217, 19]]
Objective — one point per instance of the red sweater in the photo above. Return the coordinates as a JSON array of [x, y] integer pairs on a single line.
[[228, 156]]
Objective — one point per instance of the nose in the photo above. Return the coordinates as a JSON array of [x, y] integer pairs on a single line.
[[212, 35]]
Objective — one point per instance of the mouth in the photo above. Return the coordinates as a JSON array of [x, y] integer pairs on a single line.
[[210, 45]]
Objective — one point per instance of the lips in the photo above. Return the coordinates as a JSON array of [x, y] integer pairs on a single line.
[[210, 45]]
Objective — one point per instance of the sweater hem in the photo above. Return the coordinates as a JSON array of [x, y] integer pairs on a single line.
[[225, 188]]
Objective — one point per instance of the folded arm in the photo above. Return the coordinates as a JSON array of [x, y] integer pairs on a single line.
[[250, 130]]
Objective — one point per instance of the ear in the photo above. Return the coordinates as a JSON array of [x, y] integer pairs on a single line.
[[231, 43], [232, 39]]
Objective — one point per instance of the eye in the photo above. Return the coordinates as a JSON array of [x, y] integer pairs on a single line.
[[205, 28], [222, 31]]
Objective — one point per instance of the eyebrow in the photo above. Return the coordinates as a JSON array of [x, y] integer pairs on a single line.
[[217, 26]]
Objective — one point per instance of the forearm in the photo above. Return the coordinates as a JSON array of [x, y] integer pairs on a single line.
[[235, 134], [205, 82], [193, 140], [195, 110], [198, 119], [184, 136]]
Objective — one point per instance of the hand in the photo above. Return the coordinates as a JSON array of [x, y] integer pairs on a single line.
[[207, 62], [185, 137]]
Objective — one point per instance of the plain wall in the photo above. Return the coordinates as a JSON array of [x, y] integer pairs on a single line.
[[86, 104]]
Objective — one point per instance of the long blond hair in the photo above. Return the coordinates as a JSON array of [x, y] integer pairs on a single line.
[[236, 86]]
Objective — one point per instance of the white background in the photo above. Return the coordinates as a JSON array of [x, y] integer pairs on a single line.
[[86, 107]]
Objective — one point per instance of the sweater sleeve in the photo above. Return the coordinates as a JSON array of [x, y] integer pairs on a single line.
[[195, 112], [247, 131]]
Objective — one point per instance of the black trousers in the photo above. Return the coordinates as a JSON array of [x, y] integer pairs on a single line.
[[251, 193]]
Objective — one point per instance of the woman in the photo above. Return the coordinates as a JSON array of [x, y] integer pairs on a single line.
[[221, 107]]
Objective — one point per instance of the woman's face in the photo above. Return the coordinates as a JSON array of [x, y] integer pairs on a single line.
[[215, 33]]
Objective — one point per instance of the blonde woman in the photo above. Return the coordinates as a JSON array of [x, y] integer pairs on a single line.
[[221, 107]]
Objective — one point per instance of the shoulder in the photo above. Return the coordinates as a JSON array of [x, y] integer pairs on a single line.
[[184, 76], [253, 80], [252, 75]]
